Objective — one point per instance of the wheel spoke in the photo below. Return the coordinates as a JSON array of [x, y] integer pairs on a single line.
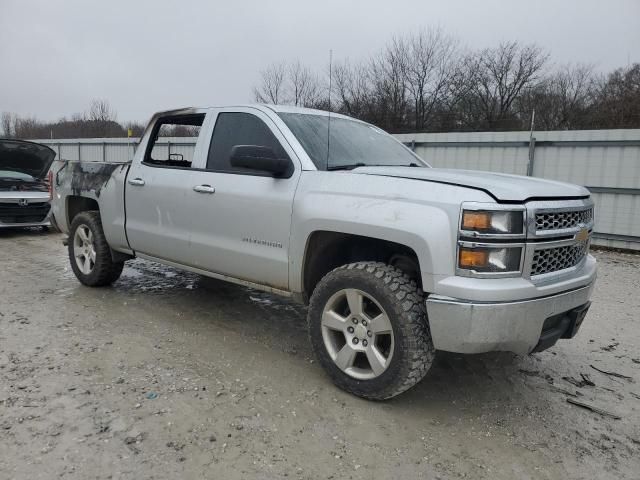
[[92, 255], [82, 233], [332, 320], [377, 362], [345, 357], [86, 266], [381, 324], [354, 299]]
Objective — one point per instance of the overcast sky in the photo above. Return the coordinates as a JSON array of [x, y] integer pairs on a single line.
[[145, 56]]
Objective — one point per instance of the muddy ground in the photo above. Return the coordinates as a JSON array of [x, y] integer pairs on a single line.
[[170, 375]]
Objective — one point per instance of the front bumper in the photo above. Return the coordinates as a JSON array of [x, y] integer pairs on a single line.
[[44, 223], [24, 209], [515, 326]]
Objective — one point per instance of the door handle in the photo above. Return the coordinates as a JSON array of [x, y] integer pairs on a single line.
[[138, 182], [204, 189]]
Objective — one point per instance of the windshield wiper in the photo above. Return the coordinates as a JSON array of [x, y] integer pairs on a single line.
[[349, 166]]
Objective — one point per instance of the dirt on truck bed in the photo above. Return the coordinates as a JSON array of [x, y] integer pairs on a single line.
[[171, 375]]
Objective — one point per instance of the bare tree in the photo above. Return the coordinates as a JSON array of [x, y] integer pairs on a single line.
[[304, 86], [562, 100], [7, 121], [351, 89], [617, 99], [100, 111], [28, 127], [389, 86], [497, 76], [101, 119], [272, 85], [427, 59]]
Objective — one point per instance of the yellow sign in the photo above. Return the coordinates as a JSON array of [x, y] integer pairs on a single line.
[[129, 133]]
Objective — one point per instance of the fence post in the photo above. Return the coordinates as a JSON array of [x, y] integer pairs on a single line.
[[79, 151], [532, 145], [104, 151], [532, 156]]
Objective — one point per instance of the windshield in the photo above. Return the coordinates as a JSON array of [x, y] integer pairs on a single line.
[[352, 144]]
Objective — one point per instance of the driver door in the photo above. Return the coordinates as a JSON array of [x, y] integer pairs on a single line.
[[241, 229]]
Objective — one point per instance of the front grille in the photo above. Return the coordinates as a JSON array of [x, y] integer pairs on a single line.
[[559, 258], [562, 220], [31, 213]]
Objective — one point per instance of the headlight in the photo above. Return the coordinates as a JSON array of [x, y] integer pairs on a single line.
[[489, 259], [492, 222], [491, 240]]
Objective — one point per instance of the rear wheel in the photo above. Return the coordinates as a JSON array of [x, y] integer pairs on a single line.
[[368, 328], [89, 252]]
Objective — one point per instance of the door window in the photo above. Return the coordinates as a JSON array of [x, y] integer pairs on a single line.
[[235, 128], [173, 141]]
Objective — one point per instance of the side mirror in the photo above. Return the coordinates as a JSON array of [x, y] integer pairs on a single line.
[[264, 159]]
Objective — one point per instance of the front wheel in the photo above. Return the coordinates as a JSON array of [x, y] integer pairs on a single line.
[[368, 328], [89, 252]]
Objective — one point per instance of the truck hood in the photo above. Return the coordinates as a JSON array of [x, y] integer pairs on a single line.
[[502, 187], [26, 157]]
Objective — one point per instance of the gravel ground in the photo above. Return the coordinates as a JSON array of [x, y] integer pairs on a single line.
[[171, 375]]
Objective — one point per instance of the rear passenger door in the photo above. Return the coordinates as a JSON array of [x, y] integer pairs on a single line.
[[242, 228], [159, 191]]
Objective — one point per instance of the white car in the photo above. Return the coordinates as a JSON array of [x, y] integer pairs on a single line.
[[395, 259], [24, 187]]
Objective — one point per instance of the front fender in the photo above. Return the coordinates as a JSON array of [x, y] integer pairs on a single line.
[[382, 208]]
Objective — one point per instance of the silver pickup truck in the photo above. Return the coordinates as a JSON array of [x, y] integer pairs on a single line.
[[395, 259]]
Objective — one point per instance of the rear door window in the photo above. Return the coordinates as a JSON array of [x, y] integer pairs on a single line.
[[173, 141]]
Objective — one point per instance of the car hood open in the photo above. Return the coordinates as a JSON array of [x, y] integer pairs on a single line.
[[26, 157], [502, 187]]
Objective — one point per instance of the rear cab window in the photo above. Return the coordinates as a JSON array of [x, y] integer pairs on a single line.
[[173, 141]]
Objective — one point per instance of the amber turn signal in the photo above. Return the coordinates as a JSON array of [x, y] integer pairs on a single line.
[[470, 258], [476, 220]]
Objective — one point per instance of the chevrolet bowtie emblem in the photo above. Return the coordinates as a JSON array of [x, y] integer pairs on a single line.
[[583, 235]]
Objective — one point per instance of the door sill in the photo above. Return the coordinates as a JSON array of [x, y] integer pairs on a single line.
[[218, 276]]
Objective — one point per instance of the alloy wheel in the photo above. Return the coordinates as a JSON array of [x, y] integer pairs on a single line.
[[357, 334], [84, 249]]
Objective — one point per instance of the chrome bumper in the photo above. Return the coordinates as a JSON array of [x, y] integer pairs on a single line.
[[475, 327]]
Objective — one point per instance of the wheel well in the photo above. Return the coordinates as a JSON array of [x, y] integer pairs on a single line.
[[328, 250], [77, 204]]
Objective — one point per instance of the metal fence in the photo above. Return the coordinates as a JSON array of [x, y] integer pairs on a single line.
[[607, 162]]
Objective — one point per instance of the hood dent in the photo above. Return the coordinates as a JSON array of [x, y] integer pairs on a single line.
[[502, 187]]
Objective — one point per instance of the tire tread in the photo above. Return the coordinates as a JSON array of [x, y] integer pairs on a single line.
[[407, 301], [105, 271]]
